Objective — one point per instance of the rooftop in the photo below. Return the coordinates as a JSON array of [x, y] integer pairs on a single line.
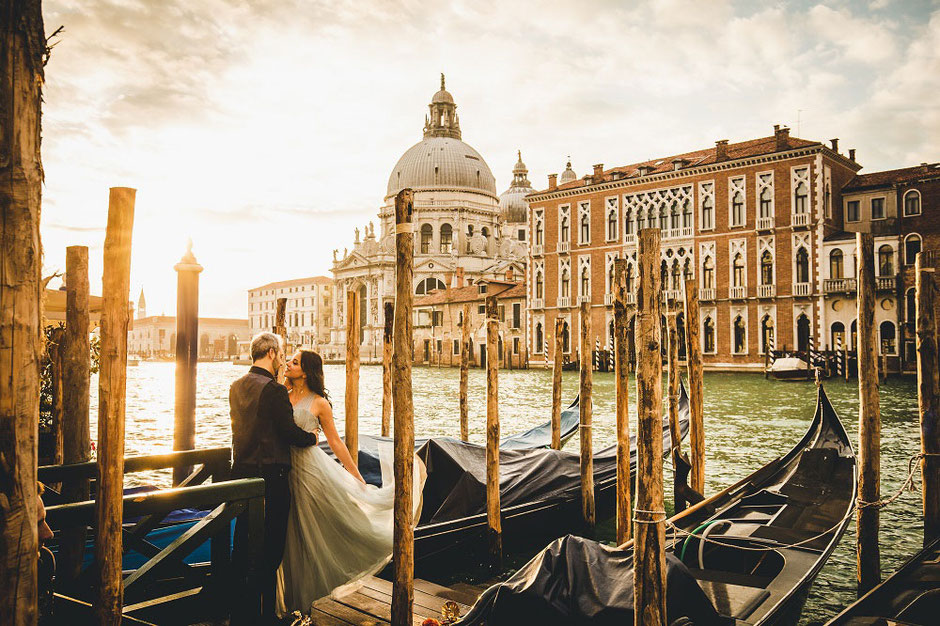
[[294, 282], [471, 293], [891, 177]]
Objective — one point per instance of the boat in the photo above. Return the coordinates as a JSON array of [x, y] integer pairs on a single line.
[[747, 555], [910, 596], [540, 495], [790, 368], [133, 361]]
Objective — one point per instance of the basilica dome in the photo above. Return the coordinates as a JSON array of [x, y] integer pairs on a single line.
[[441, 160], [512, 204]]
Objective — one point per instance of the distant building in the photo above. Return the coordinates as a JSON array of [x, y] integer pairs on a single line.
[[438, 318], [141, 305], [154, 336], [309, 309]]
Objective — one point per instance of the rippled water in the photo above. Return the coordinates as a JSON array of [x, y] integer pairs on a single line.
[[748, 422]]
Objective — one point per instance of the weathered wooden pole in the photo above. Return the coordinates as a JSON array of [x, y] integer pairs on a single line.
[[389, 311], [675, 435], [693, 347], [556, 384], [586, 413], [622, 386], [76, 387], [845, 359], [352, 374], [187, 356], [280, 329], [928, 395], [22, 51], [112, 385], [464, 374], [869, 421], [649, 591], [403, 544], [58, 405], [493, 521]]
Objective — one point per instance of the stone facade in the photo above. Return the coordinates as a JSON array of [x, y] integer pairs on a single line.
[[309, 309], [154, 336]]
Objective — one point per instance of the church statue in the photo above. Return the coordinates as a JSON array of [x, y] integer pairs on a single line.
[[334, 254], [357, 234]]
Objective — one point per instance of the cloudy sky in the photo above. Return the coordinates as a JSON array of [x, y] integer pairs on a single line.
[[266, 130]]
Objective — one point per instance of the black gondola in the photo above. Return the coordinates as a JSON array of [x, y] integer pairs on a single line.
[[747, 555], [910, 596]]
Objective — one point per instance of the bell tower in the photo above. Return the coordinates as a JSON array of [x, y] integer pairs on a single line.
[[443, 121]]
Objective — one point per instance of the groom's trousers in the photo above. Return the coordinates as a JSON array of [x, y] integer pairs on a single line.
[[263, 582]]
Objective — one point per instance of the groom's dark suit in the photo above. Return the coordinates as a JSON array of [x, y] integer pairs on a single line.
[[263, 430]]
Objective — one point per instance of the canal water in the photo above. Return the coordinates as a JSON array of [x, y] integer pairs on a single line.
[[748, 422]]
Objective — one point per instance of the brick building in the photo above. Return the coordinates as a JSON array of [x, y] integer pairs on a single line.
[[748, 220], [438, 315]]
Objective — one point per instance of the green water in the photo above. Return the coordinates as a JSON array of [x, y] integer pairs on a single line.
[[748, 422]]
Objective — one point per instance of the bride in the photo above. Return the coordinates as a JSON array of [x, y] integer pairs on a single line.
[[339, 529]]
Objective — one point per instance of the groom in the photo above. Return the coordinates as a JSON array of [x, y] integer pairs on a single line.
[[263, 430]]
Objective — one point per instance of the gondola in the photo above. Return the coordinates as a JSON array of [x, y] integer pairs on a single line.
[[910, 596], [747, 555], [540, 495]]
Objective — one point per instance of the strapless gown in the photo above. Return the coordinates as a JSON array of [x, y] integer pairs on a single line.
[[338, 530]]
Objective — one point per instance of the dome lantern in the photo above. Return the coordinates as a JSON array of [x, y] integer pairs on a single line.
[[443, 121]]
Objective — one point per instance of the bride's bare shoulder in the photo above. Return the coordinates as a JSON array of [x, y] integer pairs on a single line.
[[321, 406]]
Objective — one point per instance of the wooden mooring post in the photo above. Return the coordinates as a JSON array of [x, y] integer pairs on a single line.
[[928, 394], [869, 421], [389, 311], [693, 348], [351, 434], [493, 521], [675, 434], [622, 388], [588, 512], [280, 329], [76, 387], [187, 357], [112, 386], [464, 374], [649, 592], [557, 364], [403, 538]]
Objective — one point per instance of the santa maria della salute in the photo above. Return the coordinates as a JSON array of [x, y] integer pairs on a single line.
[[464, 231]]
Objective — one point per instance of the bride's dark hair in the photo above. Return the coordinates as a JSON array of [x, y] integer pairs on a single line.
[[312, 365]]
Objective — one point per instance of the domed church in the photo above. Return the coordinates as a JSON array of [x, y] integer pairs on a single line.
[[459, 222]]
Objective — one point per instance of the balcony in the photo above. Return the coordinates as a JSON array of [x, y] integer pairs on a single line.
[[766, 291], [583, 299], [802, 289], [838, 285], [886, 283], [564, 247], [765, 223], [799, 219], [538, 303], [629, 239], [537, 250], [672, 294], [630, 300], [678, 233], [706, 293], [564, 302], [737, 293], [608, 299]]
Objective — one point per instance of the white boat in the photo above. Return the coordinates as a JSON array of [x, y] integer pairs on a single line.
[[790, 368]]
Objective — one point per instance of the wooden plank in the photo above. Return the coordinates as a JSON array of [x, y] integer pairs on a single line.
[[380, 609], [351, 434], [624, 513], [928, 395], [346, 614], [132, 464], [556, 384], [493, 521], [693, 348], [588, 512], [464, 374], [389, 312], [319, 618]]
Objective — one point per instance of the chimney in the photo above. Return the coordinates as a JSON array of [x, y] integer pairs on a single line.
[[645, 170], [459, 277], [509, 274], [782, 135], [776, 128], [721, 150], [552, 181], [835, 145], [598, 171], [852, 154]]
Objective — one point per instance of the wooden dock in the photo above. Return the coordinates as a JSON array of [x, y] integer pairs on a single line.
[[372, 603]]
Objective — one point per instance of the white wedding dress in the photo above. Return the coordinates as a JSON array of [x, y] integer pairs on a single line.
[[338, 530]]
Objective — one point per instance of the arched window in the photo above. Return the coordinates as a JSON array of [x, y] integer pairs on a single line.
[[565, 283], [888, 342], [676, 276], [539, 339], [585, 229], [539, 285], [886, 261], [628, 279], [766, 334], [737, 209], [835, 264], [664, 275], [708, 273], [801, 198], [765, 202], [766, 268], [485, 231], [610, 277], [425, 286], [802, 265], [802, 333], [680, 331], [628, 222], [564, 234], [740, 335], [674, 223], [837, 335], [687, 215], [611, 225], [708, 335], [910, 306], [539, 233], [737, 274], [427, 232], [912, 202], [585, 282], [911, 248], [447, 238], [687, 270], [708, 213], [565, 338], [663, 218]]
